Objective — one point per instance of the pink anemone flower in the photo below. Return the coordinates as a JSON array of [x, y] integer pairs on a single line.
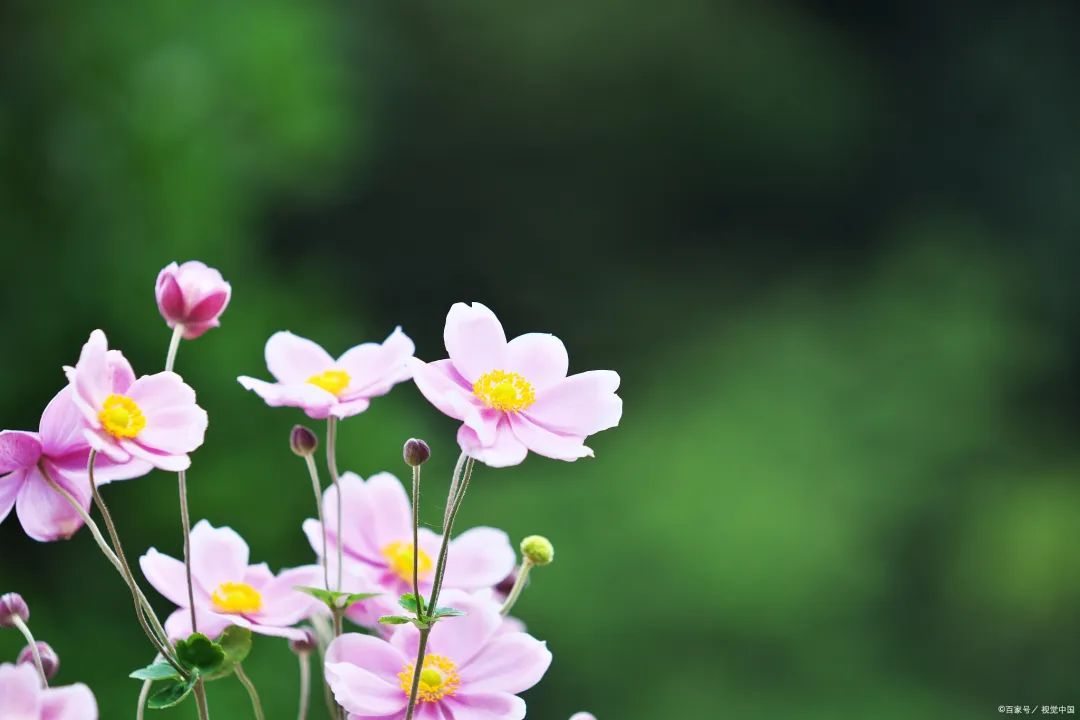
[[470, 671], [308, 378], [192, 295], [23, 698], [515, 396], [376, 539], [59, 449], [227, 590], [154, 418]]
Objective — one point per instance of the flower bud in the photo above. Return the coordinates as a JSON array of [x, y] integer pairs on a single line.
[[305, 645], [192, 295], [538, 549], [13, 606], [50, 661], [416, 452], [303, 441]]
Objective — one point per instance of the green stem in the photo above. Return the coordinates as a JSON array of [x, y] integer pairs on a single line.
[[418, 667], [316, 487], [331, 463], [144, 694], [444, 549], [174, 345], [200, 700], [185, 523], [519, 585], [25, 630], [125, 568], [416, 541], [256, 704], [305, 684]]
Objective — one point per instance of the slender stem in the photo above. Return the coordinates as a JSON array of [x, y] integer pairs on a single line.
[[519, 585], [444, 549], [200, 700], [185, 523], [125, 568], [332, 709], [95, 531], [305, 684], [144, 694], [338, 627], [316, 486], [418, 667], [416, 541], [331, 463], [174, 345], [25, 630], [256, 704], [454, 480]]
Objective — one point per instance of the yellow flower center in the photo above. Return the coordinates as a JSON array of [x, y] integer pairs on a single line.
[[332, 381], [506, 391], [438, 678], [399, 557], [121, 417], [233, 597]]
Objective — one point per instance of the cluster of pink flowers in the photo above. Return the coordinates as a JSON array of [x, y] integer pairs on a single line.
[[371, 558]]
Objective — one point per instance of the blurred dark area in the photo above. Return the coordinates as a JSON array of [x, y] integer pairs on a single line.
[[830, 246]]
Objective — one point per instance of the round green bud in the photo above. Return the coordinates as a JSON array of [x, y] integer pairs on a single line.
[[538, 549]]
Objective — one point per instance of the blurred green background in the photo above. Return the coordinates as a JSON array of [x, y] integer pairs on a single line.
[[831, 247]]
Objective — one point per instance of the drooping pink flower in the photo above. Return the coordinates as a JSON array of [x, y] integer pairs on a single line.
[[227, 590], [470, 671], [515, 396], [308, 378], [377, 545], [23, 698], [154, 418], [60, 449], [192, 295]]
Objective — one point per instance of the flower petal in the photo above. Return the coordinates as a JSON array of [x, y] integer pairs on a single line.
[[20, 693], [10, 485], [539, 357], [293, 359], [486, 706], [283, 604], [178, 625], [506, 449], [510, 663], [581, 404], [218, 555], [482, 557], [369, 652], [160, 460], [18, 450], [61, 425], [463, 638], [374, 368], [547, 443], [444, 388], [175, 425], [362, 693], [72, 702], [44, 513], [168, 576], [301, 394], [475, 340]]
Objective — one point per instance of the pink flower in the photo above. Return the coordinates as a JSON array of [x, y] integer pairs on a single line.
[[227, 590], [515, 396], [582, 716], [59, 449], [471, 671], [308, 378], [154, 418], [192, 295], [378, 549], [23, 698]]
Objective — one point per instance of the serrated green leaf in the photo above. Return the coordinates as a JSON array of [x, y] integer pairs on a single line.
[[159, 670], [333, 598], [394, 620], [410, 602], [201, 653], [171, 693], [236, 643], [442, 612]]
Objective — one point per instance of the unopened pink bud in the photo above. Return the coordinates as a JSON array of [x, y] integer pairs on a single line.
[[50, 661], [192, 295], [13, 606]]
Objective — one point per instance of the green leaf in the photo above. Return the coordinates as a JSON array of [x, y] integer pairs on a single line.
[[201, 653], [236, 644], [159, 670], [412, 603], [335, 600], [395, 620], [442, 612], [172, 693]]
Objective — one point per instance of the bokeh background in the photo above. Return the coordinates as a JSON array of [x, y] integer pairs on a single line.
[[830, 246]]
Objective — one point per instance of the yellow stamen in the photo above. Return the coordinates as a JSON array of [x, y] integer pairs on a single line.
[[399, 556], [506, 391], [233, 597], [121, 417], [438, 678], [332, 381]]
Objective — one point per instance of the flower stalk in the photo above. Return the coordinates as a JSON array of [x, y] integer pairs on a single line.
[[519, 585], [256, 703], [25, 630], [304, 659], [316, 487], [331, 464]]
